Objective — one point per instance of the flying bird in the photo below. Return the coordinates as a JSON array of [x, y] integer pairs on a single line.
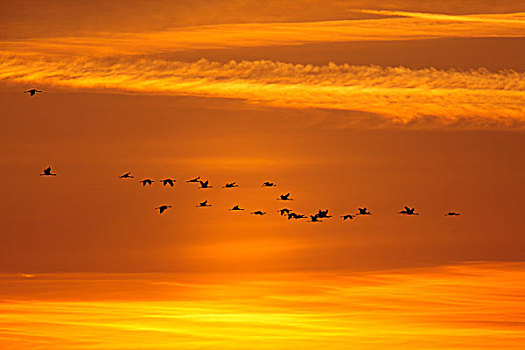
[[230, 185], [347, 216], [205, 184], [284, 197], [408, 211], [363, 211], [284, 211], [47, 172], [258, 212], [451, 213], [146, 182], [32, 92], [236, 208], [323, 214], [268, 184], [126, 176], [204, 204], [163, 208], [195, 179], [296, 216], [168, 181]]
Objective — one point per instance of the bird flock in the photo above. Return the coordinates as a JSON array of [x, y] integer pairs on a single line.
[[290, 214]]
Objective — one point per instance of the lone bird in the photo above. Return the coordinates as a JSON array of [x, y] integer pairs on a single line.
[[296, 216], [163, 208], [126, 175], [408, 211], [258, 212], [236, 208], [205, 184], [268, 184], [363, 211], [314, 218], [347, 216], [284, 197], [230, 185], [451, 213], [204, 204], [323, 214], [284, 211], [32, 92], [47, 172], [194, 180], [168, 181], [146, 182]]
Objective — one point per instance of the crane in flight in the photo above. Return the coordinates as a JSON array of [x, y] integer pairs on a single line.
[[146, 182], [47, 172], [168, 181], [32, 92], [204, 204], [126, 175], [363, 211], [284, 197], [408, 211], [163, 208]]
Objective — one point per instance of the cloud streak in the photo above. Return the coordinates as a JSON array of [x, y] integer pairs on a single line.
[[398, 95], [398, 26]]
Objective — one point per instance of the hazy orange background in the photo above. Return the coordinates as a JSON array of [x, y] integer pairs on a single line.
[[343, 104]]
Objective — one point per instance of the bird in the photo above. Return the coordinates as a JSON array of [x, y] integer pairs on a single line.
[[205, 184], [314, 218], [284, 211], [347, 216], [204, 204], [284, 197], [258, 212], [230, 185], [163, 208], [451, 213], [126, 175], [236, 208], [168, 181], [296, 216], [408, 211], [146, 182], [363, 211], [194, 180], [268, 184], [47, 172], [32, 92], [323, 214]]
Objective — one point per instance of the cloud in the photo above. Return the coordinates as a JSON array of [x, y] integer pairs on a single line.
[[398, 26], [477, 98]]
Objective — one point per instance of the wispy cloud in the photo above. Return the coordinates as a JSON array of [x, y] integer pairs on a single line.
[[398, 95], [398, 26]]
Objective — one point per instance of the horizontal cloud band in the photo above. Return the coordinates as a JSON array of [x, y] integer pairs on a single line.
[[399, 95]]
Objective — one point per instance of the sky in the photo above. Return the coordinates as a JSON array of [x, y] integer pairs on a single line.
[[344, 104]]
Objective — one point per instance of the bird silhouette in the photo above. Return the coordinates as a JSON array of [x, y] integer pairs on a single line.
[[363, 211], [323, 214], [284, 211], [204, 204], [205, 184], [451, 213], [146, 182], [284, 197], [47, 172], [236, 207], [126, 176], [258, 212], [408, 211], [295, 216], [230, 185], [268, 184], [347, 216], [314, 218], [32, 92], [163, 208], [168, 181], [194, 180]]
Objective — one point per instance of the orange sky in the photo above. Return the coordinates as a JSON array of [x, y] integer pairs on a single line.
[[343, 104]]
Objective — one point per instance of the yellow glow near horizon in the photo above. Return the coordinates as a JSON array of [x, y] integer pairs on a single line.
[[453, 307]]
